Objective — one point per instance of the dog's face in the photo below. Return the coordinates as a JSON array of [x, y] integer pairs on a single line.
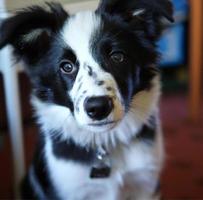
[[94, 92], [91, 63]]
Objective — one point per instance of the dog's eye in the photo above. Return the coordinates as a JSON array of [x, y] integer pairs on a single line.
[[67, 67], [117, 57]]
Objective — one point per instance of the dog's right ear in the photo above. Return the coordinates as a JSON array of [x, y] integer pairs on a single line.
[[29, 31], [146, 14]]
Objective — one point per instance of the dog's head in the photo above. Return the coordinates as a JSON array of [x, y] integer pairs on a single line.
[[89, 65]]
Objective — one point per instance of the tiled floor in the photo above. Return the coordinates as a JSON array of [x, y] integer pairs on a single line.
[[183, 174]]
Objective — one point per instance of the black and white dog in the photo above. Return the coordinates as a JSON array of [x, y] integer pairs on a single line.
[[95, 93]]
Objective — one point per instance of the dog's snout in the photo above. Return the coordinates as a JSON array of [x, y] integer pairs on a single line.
[[98, 108]]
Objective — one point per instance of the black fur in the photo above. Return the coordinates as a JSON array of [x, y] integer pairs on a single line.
[[35, 35], [38, 172], [136, 37], [38, 53], [147, 133], [135, 73], [68, 150], [26, 20]]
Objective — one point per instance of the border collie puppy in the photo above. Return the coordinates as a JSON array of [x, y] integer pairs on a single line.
[[95, 93]]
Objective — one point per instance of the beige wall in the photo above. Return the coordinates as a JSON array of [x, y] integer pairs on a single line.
[[12, 5]]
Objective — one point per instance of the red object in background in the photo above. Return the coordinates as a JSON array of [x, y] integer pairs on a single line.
[[183, 175]]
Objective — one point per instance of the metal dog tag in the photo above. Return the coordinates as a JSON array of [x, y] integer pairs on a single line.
[[101, 167]]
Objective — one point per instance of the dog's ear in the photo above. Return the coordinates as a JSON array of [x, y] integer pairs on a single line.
[[148, 12], [29, 31]]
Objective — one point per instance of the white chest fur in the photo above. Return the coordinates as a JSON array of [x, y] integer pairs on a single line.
[[72, 180]]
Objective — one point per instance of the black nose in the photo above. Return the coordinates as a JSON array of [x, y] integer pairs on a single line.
[[98, 108]]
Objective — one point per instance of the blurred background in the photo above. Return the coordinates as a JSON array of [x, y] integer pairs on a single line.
[[181, 105]]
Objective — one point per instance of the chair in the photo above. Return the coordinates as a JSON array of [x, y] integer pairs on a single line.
[[10, 80], [195, 57]]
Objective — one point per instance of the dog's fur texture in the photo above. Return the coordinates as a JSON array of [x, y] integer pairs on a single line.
[[110, 52]]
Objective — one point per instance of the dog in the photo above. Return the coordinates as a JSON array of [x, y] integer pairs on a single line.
[[96, 90]]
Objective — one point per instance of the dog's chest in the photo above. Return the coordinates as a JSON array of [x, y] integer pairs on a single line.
[[72, 180]]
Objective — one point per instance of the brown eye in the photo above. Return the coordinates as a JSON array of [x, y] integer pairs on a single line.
[[117, 57], [67, 67]]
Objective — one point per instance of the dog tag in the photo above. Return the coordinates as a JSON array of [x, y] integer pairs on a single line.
[[101, 167]]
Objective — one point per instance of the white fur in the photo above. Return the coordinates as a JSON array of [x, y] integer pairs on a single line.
[[138, 12], [72, 180], [81, 27], [77, 34], [34, 34], [140, 161], [53, 117], [135, 166], [92, 89]]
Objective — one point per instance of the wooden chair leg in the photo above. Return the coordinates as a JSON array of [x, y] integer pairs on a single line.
[[14, 117], [195, 53], [13, 110]]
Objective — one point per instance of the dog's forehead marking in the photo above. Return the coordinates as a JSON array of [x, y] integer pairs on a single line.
[[77, 33]]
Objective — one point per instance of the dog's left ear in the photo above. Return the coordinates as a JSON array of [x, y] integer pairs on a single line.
[[30, 30], [147, 12]]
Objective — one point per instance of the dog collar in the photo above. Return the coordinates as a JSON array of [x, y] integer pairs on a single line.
[[101, 166]]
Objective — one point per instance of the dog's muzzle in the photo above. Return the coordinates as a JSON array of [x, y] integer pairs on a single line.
[[98, 108]]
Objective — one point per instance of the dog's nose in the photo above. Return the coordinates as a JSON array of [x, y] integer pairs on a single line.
[[98, 108]]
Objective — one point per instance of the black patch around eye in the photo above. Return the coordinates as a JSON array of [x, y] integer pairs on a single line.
[[69, 54], [67, 65], [139, 51]]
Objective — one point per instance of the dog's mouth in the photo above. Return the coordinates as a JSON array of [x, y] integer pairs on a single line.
[[102, 124]]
